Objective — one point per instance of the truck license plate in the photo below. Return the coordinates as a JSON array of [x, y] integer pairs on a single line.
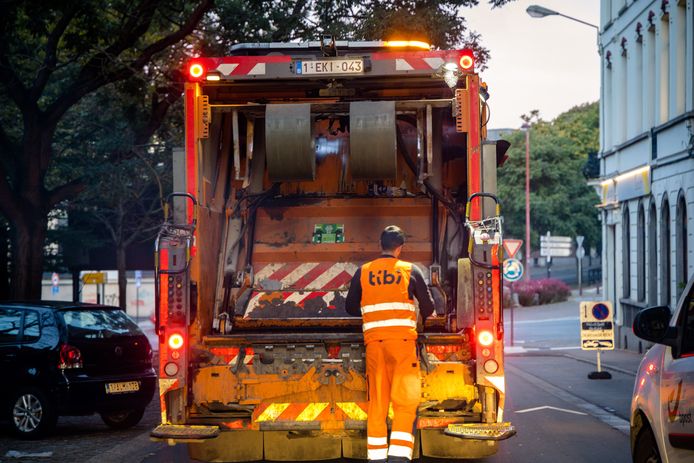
[[120, 388], [333, 66]]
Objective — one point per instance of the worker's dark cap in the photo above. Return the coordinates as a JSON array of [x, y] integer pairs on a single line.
[[391, 237]]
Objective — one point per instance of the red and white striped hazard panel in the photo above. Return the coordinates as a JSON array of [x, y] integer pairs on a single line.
[[281, 66], [311, 289]]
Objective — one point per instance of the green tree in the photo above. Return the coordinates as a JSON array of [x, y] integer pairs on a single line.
[[560, 200], [52, 55]]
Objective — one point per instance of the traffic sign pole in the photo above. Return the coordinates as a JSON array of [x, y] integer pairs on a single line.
[[580, 252], [512, 271], [511, 312]]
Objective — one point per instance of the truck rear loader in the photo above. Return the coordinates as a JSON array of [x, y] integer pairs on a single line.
[[297, 155]]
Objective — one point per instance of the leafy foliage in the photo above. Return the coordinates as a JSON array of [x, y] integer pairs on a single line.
[[560, 200], [53, 55]]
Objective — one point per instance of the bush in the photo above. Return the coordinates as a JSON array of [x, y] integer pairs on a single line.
[[545, 291]]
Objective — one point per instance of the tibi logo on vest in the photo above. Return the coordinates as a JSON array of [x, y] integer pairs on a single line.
[[383, 277]]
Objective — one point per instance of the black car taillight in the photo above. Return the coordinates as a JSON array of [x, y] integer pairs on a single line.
[[70, 357]]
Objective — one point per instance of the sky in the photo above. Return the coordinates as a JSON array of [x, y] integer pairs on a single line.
[[550, 64]]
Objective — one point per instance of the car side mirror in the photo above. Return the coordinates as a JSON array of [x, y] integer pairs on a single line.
[[652, 325]]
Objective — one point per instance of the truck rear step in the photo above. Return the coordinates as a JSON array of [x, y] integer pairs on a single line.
[[182, 433], [481, 431]]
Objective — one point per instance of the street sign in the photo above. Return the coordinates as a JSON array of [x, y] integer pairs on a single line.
[[55, 280], [579, 240], [555, 246], [597, 325], [97, 278], [138, 278], [513, 270], [512, 247], [580, 253]]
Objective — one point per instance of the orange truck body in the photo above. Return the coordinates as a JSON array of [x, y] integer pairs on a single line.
[[296, 157]]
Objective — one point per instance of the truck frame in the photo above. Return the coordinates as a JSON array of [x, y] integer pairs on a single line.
[[296, 156]]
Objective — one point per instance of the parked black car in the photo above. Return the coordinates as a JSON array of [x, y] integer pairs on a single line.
[[64, 358]]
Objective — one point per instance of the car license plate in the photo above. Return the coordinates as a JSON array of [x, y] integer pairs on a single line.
[[120, 388], [333, 66]]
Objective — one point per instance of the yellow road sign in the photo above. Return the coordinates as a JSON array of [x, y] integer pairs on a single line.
[[597, 325], [94, 278]]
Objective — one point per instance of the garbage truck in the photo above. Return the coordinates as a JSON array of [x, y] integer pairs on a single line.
[[296, 157]]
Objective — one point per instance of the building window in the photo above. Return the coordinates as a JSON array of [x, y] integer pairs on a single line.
[[649, 60], [681, 244], [663, 71], [665, 251], [652, 255], [641, 254], [607, 103], [606, 13], [626, 254], [678, 40], [619, 88], [635, 90]]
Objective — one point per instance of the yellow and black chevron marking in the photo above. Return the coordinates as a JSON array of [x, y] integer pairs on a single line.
[[313, 411]]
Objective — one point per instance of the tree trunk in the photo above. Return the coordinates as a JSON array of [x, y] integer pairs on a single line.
[[122, 280], [28, 241], [4, 262]]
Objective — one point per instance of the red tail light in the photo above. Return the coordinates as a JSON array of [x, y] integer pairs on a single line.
[[70, 357], [196, 70], [175, 341], [467, 62], [485, 338]]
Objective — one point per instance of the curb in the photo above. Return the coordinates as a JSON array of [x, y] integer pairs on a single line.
[[605, 366]]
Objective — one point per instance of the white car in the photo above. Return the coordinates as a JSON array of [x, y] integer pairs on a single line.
[[662, 406]]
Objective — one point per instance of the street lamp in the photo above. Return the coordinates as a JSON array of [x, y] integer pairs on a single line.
[[526, 254], [537, 11]]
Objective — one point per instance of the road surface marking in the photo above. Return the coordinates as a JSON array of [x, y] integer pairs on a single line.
[[522, 350], [546, 320], [612, 420], [549, 407]]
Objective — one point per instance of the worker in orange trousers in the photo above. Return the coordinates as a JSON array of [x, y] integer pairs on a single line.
[[382, 292]]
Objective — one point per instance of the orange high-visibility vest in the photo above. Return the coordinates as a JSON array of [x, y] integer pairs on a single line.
[[387, 310]]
